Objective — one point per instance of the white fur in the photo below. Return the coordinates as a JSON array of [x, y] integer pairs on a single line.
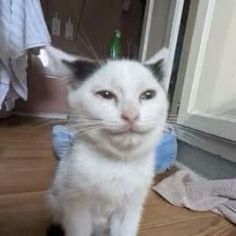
[[101, 187]]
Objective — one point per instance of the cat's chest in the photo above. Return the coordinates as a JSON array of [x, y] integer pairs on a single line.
[[97, 175]]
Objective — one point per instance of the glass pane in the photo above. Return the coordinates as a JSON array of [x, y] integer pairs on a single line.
[[216, 91]]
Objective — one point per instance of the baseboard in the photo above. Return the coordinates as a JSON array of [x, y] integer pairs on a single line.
[[226, 149], [60, 116], [205, 163]]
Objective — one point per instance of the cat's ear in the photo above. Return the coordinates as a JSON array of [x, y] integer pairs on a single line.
[[158, 64], [59, 64], [81, 69]]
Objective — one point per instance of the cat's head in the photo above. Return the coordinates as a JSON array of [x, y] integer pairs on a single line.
[[121, 105]]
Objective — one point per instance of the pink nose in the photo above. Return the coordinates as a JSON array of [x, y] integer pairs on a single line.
[[130, 113], [129, 118]]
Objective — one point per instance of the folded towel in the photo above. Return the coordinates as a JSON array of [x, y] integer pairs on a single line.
[[185, 189]]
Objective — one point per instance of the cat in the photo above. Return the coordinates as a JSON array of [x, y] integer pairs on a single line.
[[120, 108]]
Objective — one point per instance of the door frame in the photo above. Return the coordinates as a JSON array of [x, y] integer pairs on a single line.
[[171, 34], [188, 116]]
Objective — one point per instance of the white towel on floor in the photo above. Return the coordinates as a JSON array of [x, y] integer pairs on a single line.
[[22, 27], [184, 189]]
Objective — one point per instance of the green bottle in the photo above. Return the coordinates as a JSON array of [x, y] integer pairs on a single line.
[[115, 46]]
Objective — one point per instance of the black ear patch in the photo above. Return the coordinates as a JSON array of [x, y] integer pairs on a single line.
[[55, 230], [81, 69], [157, 69]]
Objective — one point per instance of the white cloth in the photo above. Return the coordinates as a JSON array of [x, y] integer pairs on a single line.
[[184, 189], [22, 27]]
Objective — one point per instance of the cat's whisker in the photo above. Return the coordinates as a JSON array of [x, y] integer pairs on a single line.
[[83, 35], [92, 120], [83, 116], [79, 120], [187, 133], [80, 131], [88, 123], [190, 137], [81, 123], [79, 113], [87, 47], [48, 124], [86, 41], [84, 126], [173, 120], [150, 123], [84, 132]]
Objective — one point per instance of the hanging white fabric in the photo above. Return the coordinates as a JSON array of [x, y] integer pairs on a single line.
[[22, 27]]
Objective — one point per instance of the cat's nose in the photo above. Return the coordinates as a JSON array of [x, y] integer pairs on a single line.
[[130, 113], [130, 118]]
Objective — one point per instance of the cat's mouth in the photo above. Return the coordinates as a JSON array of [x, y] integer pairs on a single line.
[[128, 130], [120, 132]]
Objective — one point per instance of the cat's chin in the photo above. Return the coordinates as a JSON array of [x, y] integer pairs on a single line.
[[122, 144], [127, 140]]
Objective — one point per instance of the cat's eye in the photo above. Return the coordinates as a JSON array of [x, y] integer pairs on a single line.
[[106, 94], [148, 94]]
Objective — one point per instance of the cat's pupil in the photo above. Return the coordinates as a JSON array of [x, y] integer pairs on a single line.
[[149, 94], [106, 94]]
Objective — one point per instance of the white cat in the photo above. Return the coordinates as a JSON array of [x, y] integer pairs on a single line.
[[121, 110]]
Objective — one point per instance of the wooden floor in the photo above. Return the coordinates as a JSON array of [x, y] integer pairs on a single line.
[[26, 167]]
